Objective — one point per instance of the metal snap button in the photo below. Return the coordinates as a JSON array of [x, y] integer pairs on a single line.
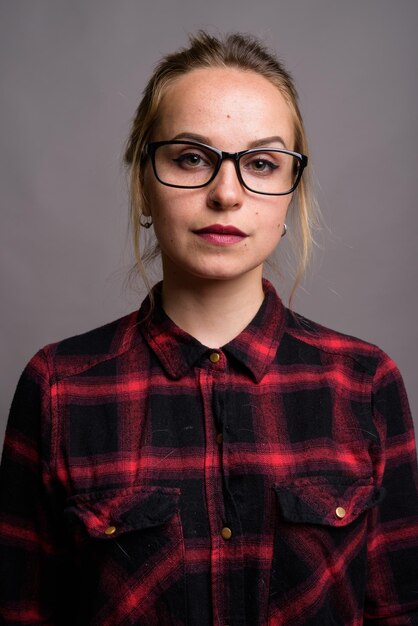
[[340, 512], [226, 533]]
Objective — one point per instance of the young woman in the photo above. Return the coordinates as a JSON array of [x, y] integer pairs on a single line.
[[213, 458]]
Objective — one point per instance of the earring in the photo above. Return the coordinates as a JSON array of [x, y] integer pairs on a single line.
[[284, 231], [147, 223]]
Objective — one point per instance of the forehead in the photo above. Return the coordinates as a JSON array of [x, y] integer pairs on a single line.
[[226, 105]]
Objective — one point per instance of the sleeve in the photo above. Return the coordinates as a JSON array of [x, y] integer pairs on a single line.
[[31, 535], [392, 589]]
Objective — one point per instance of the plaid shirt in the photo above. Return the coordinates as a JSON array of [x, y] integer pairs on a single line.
[[149, 480]]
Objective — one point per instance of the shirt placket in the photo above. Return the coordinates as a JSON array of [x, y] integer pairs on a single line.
[[227, 574]]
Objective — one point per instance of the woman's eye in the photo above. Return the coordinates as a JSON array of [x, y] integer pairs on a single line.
[[261, 166], [190, 160]]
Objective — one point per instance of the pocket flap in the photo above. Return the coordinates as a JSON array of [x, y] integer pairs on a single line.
[[110, 513], [328, 500]]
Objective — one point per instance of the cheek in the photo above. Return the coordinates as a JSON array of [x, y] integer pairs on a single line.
[[272, 216], [157, 203], [271, 227]]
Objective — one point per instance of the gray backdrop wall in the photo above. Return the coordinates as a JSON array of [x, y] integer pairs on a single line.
[[71, 76]]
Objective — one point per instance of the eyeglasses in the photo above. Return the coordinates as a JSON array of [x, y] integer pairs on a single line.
[[190, 165]]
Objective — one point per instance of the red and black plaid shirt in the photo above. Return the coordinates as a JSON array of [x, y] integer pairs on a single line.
[[149, 480]]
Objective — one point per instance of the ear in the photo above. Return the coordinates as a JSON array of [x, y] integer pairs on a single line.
[[145, 211], [145, 201], [145, 205]]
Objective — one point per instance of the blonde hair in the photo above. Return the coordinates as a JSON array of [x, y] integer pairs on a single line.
[[236, 50]]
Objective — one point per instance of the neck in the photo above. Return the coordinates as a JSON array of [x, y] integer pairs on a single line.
[[212, 311]]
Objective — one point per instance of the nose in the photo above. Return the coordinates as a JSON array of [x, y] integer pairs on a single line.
[[225, 191]]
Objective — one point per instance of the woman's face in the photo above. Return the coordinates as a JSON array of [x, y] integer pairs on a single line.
[[232, 110]]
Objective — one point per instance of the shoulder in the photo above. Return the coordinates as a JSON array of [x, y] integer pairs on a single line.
[[309, 337], [76, 354], [353, 367]]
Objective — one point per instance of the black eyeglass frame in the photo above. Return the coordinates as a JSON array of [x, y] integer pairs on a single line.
[[151, 148]]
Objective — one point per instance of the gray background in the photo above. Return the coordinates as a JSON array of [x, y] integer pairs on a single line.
[[71, 77]]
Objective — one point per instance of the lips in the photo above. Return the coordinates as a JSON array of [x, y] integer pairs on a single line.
[[221, 235], [219, 229]]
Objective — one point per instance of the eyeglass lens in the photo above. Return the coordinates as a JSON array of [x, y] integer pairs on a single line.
[[188, 165]]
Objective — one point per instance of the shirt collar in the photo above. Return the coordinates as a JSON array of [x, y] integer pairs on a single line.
[[254, 348]]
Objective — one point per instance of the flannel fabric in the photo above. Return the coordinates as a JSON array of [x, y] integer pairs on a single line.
[[149, 480]]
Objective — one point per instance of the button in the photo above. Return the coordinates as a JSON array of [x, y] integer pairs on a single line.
[[215, 357], [226, 533], [110, 530], [219, 438], [340, 512]]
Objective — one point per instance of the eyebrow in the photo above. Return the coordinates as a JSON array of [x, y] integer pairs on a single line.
[[265, 141]]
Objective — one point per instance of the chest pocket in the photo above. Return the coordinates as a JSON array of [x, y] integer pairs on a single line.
[[326, 500], [128, 555], [320, 547]]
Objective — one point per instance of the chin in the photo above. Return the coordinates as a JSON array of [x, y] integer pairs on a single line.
[[225, 274]]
